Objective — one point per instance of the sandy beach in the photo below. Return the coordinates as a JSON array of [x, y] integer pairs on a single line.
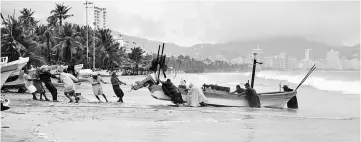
[[26, 117], [142, 118]]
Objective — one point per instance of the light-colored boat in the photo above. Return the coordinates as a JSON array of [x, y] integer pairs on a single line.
[[105, 73], [220, 98], [7, 68], [280, 99]]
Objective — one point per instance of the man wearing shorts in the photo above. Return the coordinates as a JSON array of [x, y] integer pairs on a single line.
[[69, 86]]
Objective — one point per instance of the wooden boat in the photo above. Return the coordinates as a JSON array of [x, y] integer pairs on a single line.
[[221, 98], [8, 68], [19, 82]]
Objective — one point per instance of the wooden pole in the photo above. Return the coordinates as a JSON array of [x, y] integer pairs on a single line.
[[253, 71]]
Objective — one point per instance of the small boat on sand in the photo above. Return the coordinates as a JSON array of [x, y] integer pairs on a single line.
[[279, 99], [220, 98], [7, 68]]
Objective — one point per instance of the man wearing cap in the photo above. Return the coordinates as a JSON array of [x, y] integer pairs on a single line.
[[251, 96]]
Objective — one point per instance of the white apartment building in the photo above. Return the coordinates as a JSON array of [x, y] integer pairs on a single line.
[[95, 16], [308, 54], [333, 60]]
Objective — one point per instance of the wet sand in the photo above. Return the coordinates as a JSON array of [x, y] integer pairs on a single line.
[[142, 118]]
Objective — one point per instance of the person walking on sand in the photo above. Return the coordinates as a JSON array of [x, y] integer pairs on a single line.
[[69, 86], [97, 87], [28, 81], [116, 86], [45, 76], [38, 85]]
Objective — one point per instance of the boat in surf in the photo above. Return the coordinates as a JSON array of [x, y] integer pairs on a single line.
[[221, 97]]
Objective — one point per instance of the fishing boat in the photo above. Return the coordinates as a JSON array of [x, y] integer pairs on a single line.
[[7, 68], [220, 98], [278, 99]]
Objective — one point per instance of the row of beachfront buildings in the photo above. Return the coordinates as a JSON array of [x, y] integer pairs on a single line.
[[331, 62], [283, 61]]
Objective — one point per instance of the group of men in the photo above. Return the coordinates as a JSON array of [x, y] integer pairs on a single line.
[[34, 79], [250, 94]]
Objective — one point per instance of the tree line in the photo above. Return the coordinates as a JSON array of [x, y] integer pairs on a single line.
[[60, 42]]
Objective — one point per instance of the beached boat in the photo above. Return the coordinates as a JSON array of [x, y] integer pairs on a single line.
[[280, 99], [220, 98], [105, 73], [7, 68]]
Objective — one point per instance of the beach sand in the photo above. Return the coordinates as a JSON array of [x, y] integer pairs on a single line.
[[25, 118], [142, 118]]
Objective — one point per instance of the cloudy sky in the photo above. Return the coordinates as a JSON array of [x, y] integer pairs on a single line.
[[186, 23]]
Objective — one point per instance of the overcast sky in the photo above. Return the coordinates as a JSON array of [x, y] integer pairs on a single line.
[[187, 23]]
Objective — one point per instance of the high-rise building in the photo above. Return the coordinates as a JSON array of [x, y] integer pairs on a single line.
[[333, 60], [268, 62], [308, 54], [285, 61], [95, 16]]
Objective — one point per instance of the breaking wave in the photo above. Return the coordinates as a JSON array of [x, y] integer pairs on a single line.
[[316, 81]]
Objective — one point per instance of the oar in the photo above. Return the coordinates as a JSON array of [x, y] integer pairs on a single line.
[[163, 63], [159, 62], [312, 68], [304, 79], [158, 57]]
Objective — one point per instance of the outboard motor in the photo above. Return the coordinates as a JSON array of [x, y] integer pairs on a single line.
[[292, 103], [4, 104]]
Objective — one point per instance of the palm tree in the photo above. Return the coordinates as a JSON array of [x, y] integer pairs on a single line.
[[68, 43], [136, 54], [109, 51], [60, 13], [45, 39], [15, 44], [27, 20]]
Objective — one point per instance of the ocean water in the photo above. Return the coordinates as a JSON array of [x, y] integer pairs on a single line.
[[329, 111]]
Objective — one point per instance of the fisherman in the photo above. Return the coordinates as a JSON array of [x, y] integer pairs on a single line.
[[238, 90], [183, 84], [195, 96], [287, 89], [172, 91], [97, 87], [251, 96], [69, 86], [116, 86], [45, 76], [38, 84], [28, 81]]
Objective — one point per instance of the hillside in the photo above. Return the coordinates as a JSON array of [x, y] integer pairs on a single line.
[[293, 46]]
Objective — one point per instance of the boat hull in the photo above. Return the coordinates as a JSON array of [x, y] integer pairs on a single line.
[[269, 100], [8, 68]]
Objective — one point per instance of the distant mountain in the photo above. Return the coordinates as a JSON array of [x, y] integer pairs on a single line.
[[293, 46]]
